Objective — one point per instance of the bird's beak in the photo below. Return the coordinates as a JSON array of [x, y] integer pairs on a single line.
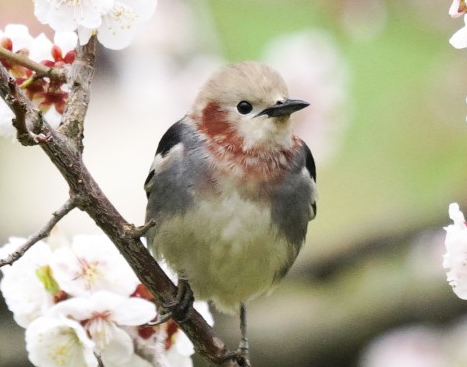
[[284, 108]]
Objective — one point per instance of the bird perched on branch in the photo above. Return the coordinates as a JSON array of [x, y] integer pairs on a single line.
[[232, 189]]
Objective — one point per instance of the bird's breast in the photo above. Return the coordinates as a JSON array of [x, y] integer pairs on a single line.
[[227, 246]]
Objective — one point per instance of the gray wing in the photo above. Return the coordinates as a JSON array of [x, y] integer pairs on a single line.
[[294, 203], [169, 185]]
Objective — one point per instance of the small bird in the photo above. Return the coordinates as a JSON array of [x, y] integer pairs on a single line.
[[232, 189]]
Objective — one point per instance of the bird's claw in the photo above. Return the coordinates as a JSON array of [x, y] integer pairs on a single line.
[[179, 309], [241, 356]]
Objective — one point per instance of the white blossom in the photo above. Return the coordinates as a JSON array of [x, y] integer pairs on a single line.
[[92, 263], [38, 49], [112, 20], [19, 35], [24, 293], [81, 299], [455, 259], [103, 314], [458, 7], [459, 39], [58, 342], [69, 14]]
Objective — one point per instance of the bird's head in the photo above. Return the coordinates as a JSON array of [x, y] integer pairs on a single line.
[[246, 104]]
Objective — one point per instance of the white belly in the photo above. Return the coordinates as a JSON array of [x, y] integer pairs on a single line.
[[226, 248]]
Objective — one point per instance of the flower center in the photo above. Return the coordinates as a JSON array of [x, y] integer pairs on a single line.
[[121, 16], [90, 272]]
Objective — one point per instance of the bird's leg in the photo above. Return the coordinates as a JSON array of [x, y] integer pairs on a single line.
[[242, 355], [244, 348], [179, 308]]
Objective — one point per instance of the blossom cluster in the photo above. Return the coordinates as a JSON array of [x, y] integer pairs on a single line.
[[455, 259], [48, 94], [111, 20], [459, 39], [81, 301]]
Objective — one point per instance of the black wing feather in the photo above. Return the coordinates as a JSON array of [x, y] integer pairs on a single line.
[[311, 167], [172, 137], [309, 161]]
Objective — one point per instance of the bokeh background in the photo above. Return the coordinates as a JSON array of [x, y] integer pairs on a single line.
[[387, 128]]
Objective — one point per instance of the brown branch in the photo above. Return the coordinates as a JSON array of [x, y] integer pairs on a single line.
[[64, 150], [80, 75], [43, 233], [136, 232], [40, 69], [27, 118]]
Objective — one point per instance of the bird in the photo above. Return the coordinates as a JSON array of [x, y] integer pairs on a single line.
[[231, 190]]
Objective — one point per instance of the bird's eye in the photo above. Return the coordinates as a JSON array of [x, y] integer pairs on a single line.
[[244, 107]]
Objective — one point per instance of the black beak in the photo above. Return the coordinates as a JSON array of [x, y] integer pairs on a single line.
[[284, 108]]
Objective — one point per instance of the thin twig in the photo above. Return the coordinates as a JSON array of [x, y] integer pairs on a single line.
[[99, 360], [40, 69], [137, 232], [43, 233]]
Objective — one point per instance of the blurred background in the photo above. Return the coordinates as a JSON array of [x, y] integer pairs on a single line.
[[386, 126]]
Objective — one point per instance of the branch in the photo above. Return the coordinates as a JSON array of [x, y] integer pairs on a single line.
[[81, 74], [27, 118], [43, 233], [64, 149], [40, 69]]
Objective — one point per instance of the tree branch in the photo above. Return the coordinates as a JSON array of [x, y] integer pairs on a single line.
[[43, 233], [64, 149], [27, 118], [80, 75], [40, 69]]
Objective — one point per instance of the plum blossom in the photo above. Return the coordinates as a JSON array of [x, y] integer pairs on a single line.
[[90, 264], [48, 95], [459, 39], [455, 259], [458, 8], [25, 294], [59, 341], [112, 20], [68, 15], [80, 299], [103, 315]]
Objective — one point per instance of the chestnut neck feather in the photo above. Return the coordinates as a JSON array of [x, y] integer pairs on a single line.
[[227, 146]]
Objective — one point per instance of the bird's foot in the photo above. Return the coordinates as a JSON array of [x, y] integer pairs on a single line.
[[241, 355], [178, 309]]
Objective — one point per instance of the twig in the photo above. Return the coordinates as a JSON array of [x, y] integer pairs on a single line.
[[99, 360], [40, 69], [136, 232], [43, 233]]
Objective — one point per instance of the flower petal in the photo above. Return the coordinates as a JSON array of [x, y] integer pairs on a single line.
[[53, 342], [134, 311], [459, 39]]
